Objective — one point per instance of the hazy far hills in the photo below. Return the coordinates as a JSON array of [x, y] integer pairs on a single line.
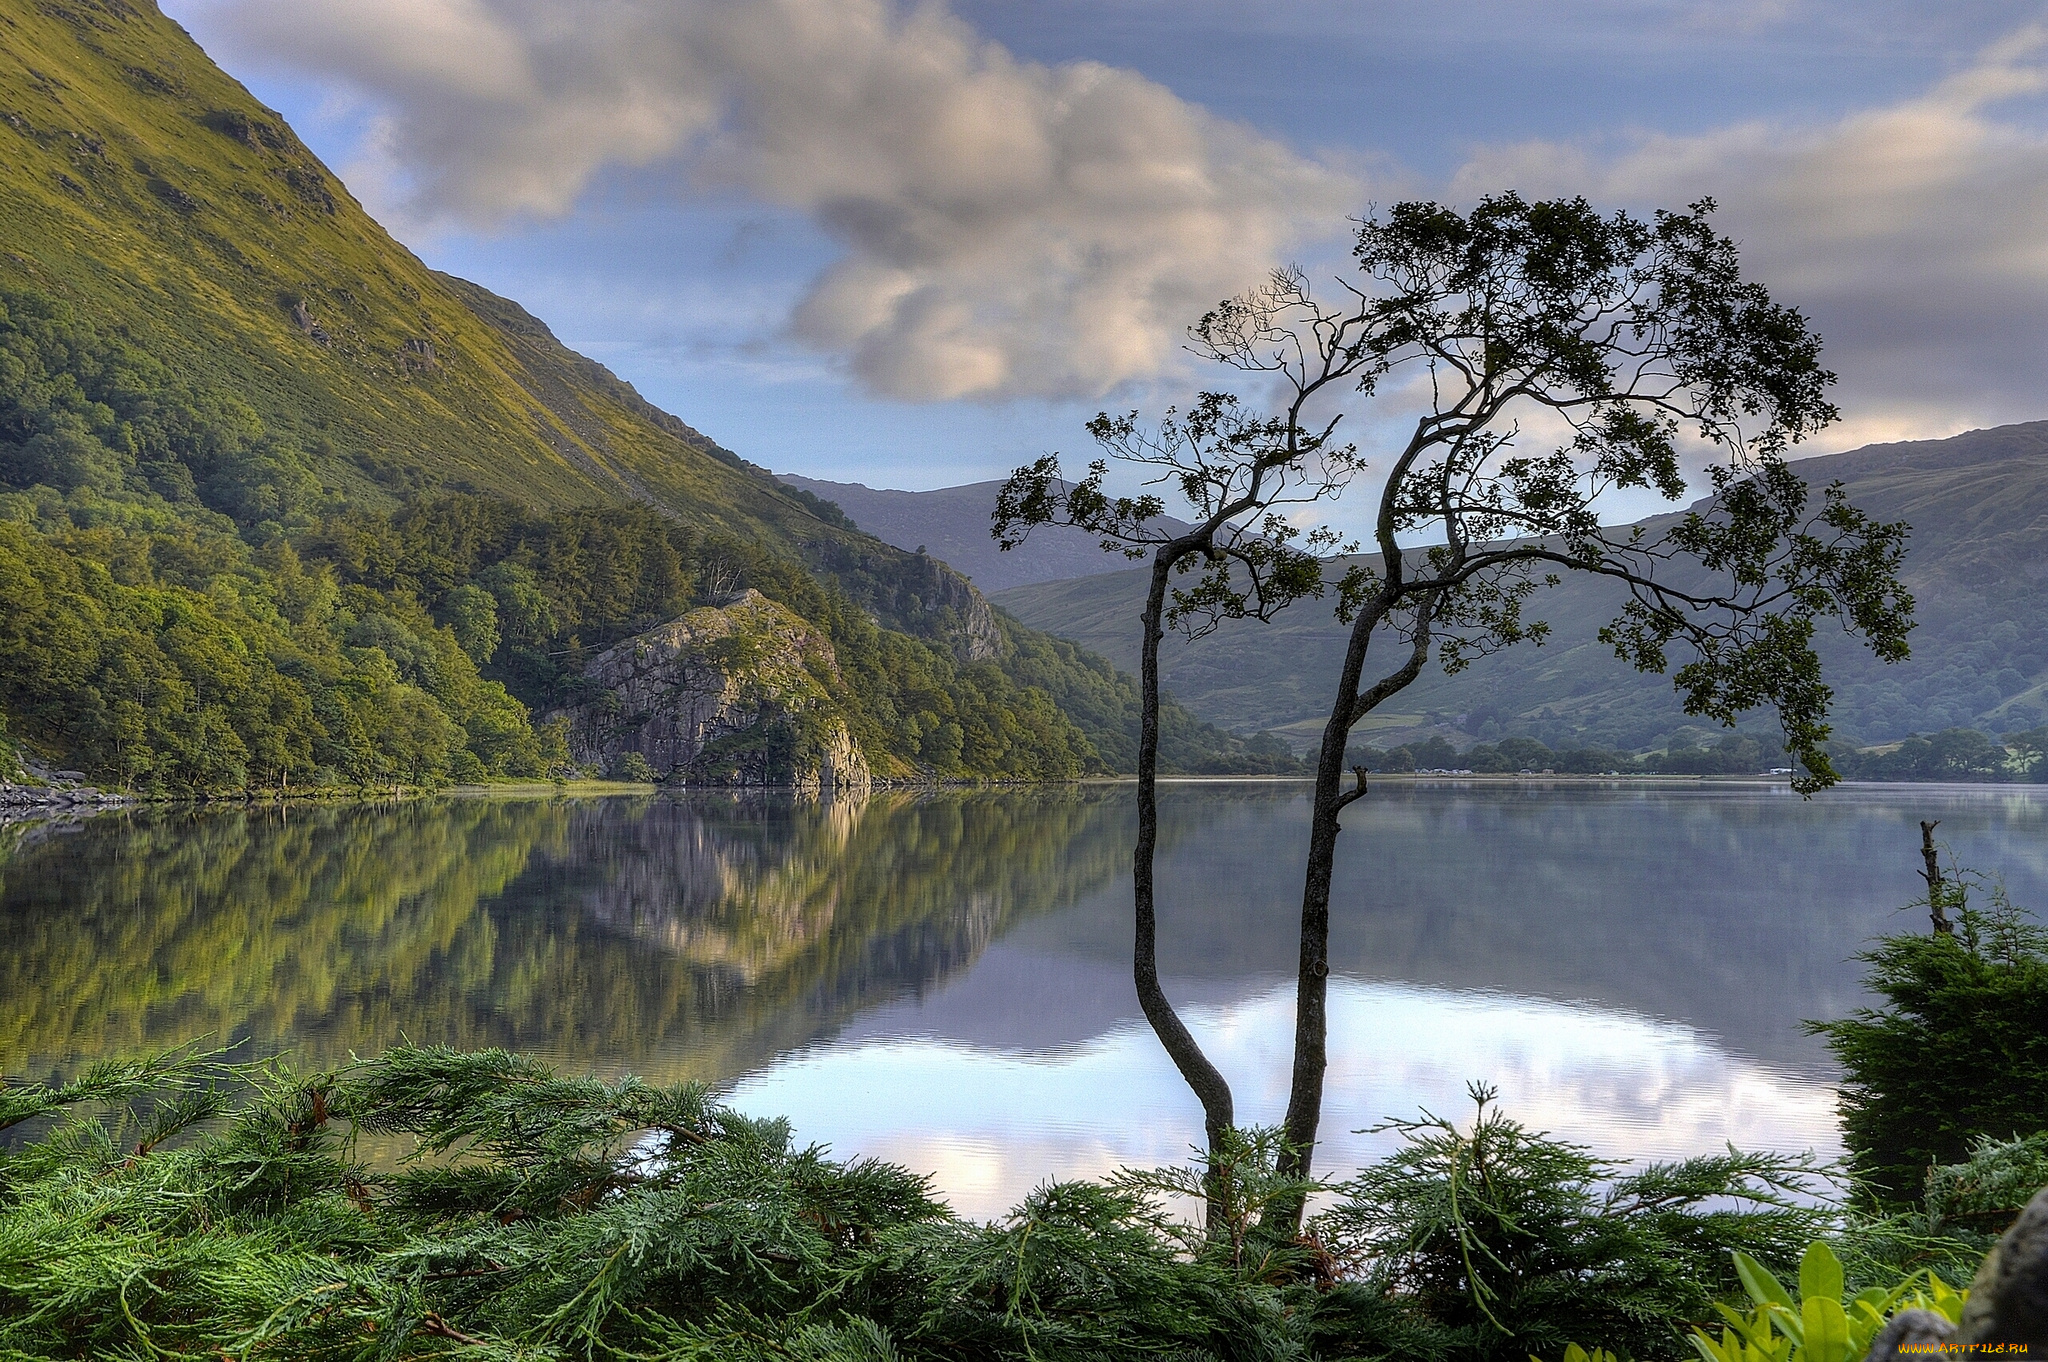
[[952, 524], [1978, 505]]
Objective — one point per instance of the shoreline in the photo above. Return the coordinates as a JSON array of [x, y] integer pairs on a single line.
[[29, 803]]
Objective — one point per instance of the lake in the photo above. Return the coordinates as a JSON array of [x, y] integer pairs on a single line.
[[943, 979]]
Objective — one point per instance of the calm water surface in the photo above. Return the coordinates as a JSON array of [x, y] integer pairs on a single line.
[[943, 980]]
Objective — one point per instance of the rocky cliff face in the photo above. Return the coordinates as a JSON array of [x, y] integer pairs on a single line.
[[930, 589], [980, 638], [739, 694], [919, 595]]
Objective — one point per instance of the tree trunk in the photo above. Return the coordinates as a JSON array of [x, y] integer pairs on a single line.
[[1936, 900], [1312, 977], [1202, 1076]]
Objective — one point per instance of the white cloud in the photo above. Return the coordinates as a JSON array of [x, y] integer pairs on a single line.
[[1912, 234], [1008, 228]]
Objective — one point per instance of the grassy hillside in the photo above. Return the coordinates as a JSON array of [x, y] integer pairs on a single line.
[[149, 192], [1978, 504], [149, 187], [282, 505]]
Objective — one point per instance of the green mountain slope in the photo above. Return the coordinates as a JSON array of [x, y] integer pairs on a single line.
[[144, 182], [1978, 505], [149, 189], [280, 504]]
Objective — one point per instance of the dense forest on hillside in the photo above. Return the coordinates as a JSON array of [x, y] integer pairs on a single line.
[[190, 608]]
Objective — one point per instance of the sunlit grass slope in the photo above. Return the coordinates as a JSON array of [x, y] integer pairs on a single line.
[[153, 192]]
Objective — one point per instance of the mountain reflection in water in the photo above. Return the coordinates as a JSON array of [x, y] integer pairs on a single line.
[[666, 938], [943, 979]]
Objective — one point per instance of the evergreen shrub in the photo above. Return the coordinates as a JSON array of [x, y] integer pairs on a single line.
[[1958, 1053]]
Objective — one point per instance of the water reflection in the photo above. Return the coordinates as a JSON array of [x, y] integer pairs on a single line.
[[1735, 909], [1628, 1086], [944, 979], [670, 939]]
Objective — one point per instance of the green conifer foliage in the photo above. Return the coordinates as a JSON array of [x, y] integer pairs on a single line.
[[1958, 1053], [434, 1201]]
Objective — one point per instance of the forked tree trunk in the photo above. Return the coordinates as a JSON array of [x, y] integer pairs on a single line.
[[1312, 976], [1312, 979], [1203, 1077]]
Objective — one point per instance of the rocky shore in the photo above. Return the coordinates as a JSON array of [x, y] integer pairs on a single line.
[[39, 794]]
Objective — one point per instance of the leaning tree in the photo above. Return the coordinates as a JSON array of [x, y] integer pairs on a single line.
[[1630, 349]]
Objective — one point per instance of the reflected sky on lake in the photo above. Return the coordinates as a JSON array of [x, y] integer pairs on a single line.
[[1626, 1086], [943, 979]]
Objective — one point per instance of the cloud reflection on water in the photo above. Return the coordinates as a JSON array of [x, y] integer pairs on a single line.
[[1627, 1085]]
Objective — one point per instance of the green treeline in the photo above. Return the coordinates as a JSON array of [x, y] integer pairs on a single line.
[[1735, 754], [536, 594], [163, 658], [1104, 703], [185, 607], [1954, 754]]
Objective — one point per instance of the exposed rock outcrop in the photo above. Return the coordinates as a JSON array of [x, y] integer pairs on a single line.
[[980, 637], [34, 791], [302, 317], [931, 588], [739, 694]]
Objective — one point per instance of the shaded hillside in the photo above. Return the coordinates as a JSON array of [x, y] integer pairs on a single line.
[[952, 524], [1978, 504]]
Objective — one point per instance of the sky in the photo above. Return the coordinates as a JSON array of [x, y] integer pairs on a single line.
[[917, 245]]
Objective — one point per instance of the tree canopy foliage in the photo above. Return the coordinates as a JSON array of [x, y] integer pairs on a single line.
[[1624, 346]]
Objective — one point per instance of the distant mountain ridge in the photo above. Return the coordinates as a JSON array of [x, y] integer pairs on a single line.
[[953, 523], [1976, 562]]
